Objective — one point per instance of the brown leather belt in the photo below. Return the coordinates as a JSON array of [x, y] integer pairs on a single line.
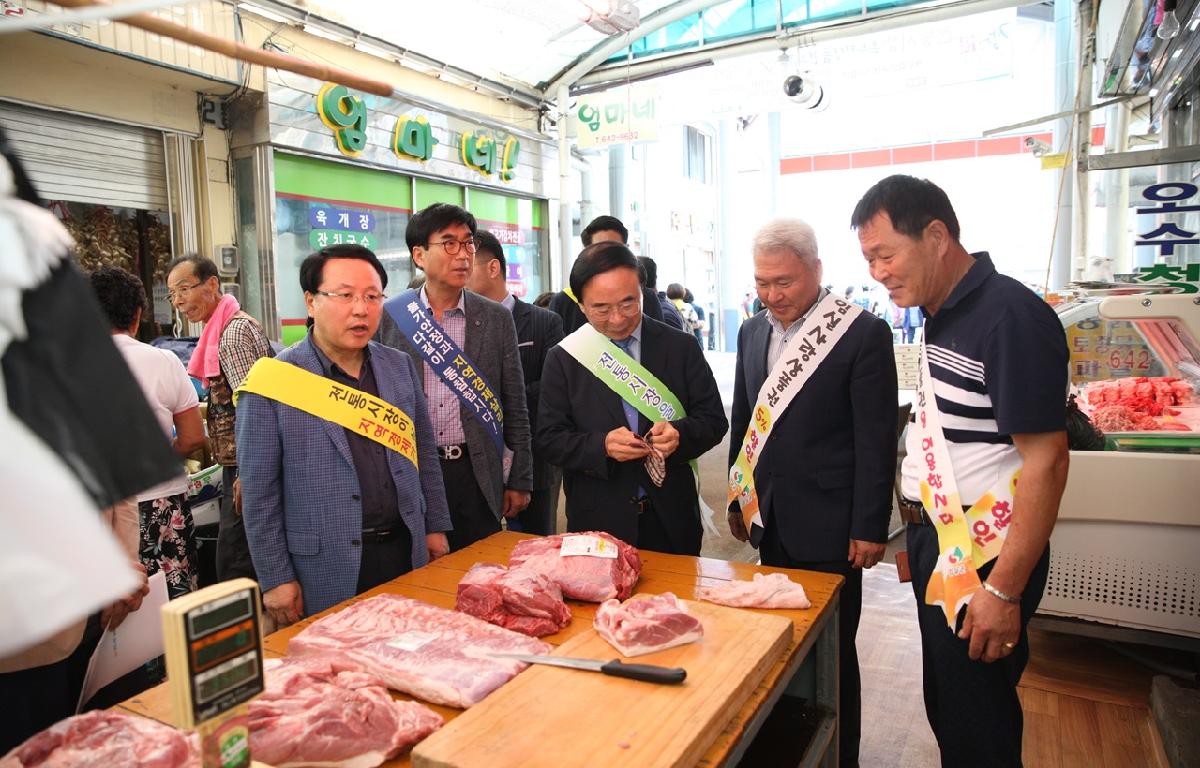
[[913, 512]]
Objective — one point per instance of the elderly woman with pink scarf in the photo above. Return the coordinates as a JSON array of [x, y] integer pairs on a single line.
[[231, 342]]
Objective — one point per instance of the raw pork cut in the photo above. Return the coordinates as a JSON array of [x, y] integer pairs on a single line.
[[327, 710], [436, 655], [647, 624], [612, 572], [773, 590], [520, 599], [106, 738], [1151, 395]]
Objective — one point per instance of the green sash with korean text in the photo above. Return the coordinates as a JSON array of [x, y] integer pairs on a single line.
[[634, 384]]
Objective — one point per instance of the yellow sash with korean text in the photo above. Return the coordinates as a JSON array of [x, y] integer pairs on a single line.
[[326, 399], [804, 352], [967, 540]]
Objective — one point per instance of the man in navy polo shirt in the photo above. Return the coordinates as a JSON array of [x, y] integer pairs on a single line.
[[997, 357]]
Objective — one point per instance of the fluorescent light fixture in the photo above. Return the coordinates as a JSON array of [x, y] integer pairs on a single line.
[[1153, 92]]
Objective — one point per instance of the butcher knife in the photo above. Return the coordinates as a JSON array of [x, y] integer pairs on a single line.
[[649, 673]]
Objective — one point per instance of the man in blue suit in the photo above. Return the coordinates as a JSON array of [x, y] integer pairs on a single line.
[[330, 512]]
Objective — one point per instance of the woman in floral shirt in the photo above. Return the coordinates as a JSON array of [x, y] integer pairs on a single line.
[[168, 539]]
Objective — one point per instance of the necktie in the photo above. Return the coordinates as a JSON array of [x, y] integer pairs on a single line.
[[631, 414]]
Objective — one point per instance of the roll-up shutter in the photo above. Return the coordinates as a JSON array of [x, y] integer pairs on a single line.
[[88, 161]]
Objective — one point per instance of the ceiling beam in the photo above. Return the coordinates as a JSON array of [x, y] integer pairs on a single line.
[[599, 53], [806, 35]]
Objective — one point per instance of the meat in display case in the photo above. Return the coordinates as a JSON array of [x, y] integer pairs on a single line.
[[1122, 552]]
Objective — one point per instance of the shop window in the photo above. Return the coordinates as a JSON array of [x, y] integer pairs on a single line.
[[518, 224], [135, 240], [319, 203]]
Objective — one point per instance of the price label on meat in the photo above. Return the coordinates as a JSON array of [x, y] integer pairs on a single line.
[[214, 666], [593, 546]]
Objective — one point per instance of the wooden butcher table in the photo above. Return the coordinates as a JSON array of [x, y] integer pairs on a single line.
[[814, 635]]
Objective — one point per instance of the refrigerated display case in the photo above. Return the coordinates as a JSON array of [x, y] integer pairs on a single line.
[[1123, 551]]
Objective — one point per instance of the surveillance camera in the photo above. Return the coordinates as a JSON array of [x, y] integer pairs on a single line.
[[1037, 146], [803, 91]]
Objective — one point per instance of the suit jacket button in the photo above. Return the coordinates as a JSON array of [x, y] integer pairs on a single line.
[[355, 496], [355, 542]]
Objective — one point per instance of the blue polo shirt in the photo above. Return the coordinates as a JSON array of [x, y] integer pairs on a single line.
[[998, 358]]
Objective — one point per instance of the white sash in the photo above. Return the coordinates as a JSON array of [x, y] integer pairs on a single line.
[[799, 360]]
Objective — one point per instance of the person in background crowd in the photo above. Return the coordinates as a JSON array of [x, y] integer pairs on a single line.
[[687, 313], [596, 434], [997, 358], [701, 325], [538, 330], [168, 537], [330, 512], [231, 342], [824, 476], [566, 306], [911, 320], [443, 242], [543, 301], [670, 313]]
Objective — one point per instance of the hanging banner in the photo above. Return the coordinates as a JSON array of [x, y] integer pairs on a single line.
[[621, 116]]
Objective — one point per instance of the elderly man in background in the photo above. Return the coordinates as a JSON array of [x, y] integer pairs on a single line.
[[813, 458], [231, 342], [341, 485]]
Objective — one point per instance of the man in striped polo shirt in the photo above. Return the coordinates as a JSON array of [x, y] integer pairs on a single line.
[[997, 358]]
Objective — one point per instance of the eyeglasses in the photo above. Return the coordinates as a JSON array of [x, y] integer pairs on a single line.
[[628, 308], [345, 297], [452, 247], [181, 291]]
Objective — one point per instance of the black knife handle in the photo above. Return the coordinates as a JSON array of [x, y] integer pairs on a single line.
[[648, 673]]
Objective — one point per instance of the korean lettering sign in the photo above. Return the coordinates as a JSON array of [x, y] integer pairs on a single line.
[[1170, 197], [335, 226], [616, 117], [411, 137]]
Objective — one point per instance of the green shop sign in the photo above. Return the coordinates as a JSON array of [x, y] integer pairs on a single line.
[[412, 137]]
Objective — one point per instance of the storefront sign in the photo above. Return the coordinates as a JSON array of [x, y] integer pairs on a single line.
[[324, 217], [616, 117], [412, 138], [1184, 276], [346, 116]]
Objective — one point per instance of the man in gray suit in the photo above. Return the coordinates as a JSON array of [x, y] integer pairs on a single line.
[[466, 349], [334, 508]]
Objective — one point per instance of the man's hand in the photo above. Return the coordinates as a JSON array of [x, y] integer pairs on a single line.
[[437, 545], [665, 438], [514, 502], [737, 526], [237, 496], [865, 554], [992, 626], [112, 616], [623, 445], [285, 603]]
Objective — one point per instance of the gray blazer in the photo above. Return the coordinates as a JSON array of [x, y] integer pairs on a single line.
[[491, 345]]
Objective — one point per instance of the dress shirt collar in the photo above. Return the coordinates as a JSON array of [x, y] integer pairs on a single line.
[[329, 368], [462, 301], [777, 326], [509, 302]]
